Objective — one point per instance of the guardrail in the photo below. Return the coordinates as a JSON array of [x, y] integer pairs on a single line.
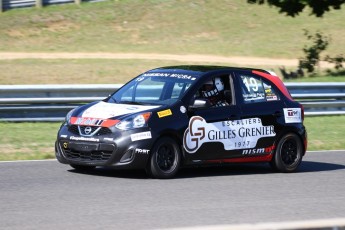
[[12, 4], [52, 102]]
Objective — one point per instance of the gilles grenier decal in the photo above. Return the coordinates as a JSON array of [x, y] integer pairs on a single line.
[[237, 134]]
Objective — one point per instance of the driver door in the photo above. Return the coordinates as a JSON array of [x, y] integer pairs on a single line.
[[209, 135]]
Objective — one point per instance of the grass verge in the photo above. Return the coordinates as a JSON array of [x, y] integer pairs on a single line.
[[28, 141], [227, 27], [97, 71]]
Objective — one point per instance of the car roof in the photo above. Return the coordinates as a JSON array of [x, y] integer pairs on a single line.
[[201, 69]]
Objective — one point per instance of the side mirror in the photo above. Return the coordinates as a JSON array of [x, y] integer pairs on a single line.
[[199, 104]]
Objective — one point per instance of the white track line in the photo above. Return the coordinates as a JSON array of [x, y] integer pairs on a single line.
[[21, 161], [296, 225]]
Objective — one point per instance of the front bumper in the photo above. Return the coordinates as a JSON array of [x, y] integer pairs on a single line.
[[115, 149]]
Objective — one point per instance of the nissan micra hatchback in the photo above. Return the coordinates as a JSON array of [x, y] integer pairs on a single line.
[[171, 117]]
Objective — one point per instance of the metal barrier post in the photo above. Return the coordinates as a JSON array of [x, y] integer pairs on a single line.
[[39, 3]]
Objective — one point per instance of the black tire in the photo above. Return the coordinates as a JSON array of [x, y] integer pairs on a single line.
[[165, 159], [288, 154], [82, 167]]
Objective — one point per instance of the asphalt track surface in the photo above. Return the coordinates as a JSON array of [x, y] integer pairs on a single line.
[[49, 195]]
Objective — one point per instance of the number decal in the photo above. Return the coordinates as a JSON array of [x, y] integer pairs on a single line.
[[254, 84], [242, 144], [251, 85], [245, 81]]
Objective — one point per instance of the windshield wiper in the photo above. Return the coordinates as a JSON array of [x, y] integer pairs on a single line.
[[131, 102]]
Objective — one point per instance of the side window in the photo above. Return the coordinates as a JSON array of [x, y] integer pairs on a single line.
[[216, 91], [179, 89], [255, 90], [270, 92]]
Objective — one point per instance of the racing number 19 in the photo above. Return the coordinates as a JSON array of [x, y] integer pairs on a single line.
[[252, 84]]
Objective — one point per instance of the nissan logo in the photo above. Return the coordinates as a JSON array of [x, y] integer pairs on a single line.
[[88, 130]]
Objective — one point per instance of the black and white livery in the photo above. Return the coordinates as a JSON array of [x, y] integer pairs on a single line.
[[172, 117]]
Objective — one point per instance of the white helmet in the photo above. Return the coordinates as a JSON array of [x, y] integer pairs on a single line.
[[216, 86]]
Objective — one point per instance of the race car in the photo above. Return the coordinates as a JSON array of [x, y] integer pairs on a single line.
[[179, 116]]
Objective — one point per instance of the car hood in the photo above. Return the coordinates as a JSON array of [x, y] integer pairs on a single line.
[[106, 110]]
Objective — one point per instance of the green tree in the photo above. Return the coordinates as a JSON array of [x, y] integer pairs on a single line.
[[312, 52], [294, 7]]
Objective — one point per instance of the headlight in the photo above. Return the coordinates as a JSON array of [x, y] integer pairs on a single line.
[[134, 121], [68, 117]]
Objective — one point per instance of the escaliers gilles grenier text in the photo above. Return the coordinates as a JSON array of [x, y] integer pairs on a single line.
[[243, 131]]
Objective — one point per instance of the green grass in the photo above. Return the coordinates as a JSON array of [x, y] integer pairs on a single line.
[[77, 71], [325, 132], [318, 79], [22, 141], [27, 141], [96, 71], [227, 27]]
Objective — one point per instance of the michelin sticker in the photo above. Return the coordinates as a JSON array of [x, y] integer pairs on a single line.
[[293, 115], [237, 134]]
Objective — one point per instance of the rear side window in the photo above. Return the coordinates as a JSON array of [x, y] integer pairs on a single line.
[[254, 90]]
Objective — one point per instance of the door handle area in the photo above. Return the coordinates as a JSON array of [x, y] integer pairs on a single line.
[[236, 117], [277, 114]]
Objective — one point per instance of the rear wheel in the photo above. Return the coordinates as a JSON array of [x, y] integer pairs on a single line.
[[82, 167], [289, 153], [165, 158]]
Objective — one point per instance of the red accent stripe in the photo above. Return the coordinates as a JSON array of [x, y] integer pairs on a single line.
[[276, 81], [265, 158]]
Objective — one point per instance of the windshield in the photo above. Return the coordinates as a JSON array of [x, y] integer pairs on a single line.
[[153, 89]]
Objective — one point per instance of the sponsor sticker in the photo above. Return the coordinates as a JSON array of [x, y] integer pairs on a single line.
[[108, 139], [164, 113], [142, 151], [237, 134], [258, 151], [88, 121], [172, 75], [141, 136], [83, 139], [292, 115]]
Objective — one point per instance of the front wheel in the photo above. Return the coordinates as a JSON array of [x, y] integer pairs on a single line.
[[289, 153], [165, 158]]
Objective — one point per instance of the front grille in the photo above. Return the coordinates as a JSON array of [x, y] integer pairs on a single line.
[[74, 129], [91, 130], [100, 155], [95, 131], [92, 156], [103, 131]]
